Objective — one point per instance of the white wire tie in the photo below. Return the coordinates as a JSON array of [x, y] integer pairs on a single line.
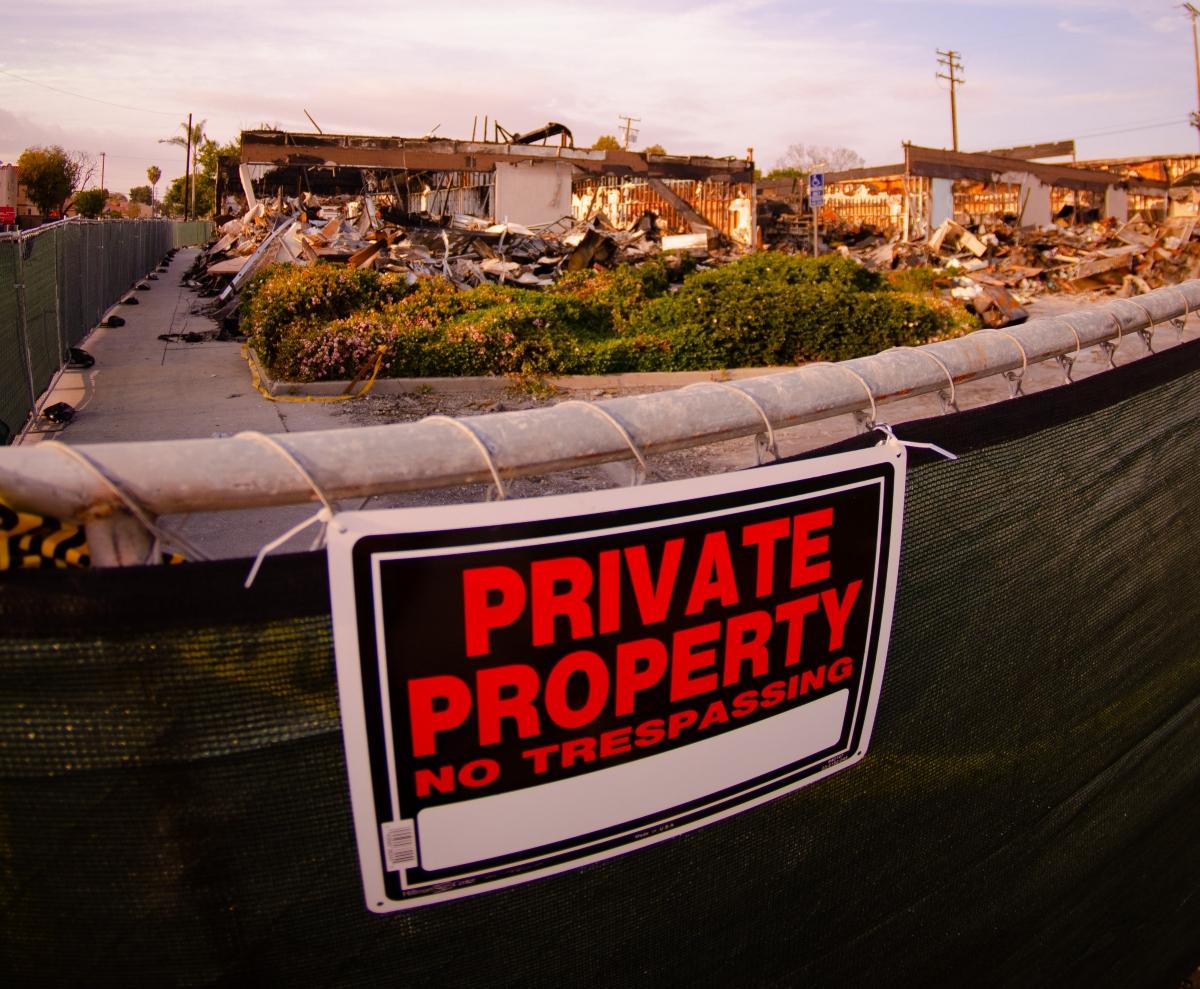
[[1065, 362], [639, 474], [137, 510], [324, 515], [1015, 380], [500, 491], [950, 402], [891, 439], [870, 423], [760, 443]]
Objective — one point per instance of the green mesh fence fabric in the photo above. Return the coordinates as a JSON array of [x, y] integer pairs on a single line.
[[174, 808], [15, 400], [70, 274]]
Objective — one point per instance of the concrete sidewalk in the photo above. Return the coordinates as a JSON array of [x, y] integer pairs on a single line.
[[145, 388]]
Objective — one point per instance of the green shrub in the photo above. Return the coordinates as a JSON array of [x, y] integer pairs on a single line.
[[780, 309], [325, 323]]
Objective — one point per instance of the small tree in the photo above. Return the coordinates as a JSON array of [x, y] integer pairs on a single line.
[[606, 142], [808, 158], [49, 176], [655, 149], [90, 202], [140, 194]]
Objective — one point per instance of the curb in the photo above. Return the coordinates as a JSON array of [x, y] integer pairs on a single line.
[[495, 385]]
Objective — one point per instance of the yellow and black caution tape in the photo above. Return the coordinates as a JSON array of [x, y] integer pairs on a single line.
[[349, 393], [29, 541]]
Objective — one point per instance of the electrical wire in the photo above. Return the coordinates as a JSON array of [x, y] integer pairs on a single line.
[[92, 99], [1127, 130]]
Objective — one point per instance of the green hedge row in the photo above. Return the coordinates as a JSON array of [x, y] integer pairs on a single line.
[[323, 322]]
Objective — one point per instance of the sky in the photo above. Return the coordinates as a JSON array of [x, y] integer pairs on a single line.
[[706, 78]]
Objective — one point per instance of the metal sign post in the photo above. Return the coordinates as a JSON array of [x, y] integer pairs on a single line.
[[816, 199]]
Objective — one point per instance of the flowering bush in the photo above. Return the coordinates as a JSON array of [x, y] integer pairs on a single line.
[[281, 298], [326, 323]]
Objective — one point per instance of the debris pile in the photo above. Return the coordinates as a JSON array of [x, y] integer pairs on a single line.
[[469, 251], [1122, 258]]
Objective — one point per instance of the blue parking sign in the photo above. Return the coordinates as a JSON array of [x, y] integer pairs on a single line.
[[816, 190]]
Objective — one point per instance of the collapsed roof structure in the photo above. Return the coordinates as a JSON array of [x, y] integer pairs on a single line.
[[916, 195], [507, 180]]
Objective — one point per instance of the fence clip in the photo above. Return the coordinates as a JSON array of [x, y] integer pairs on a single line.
[[891, 439]]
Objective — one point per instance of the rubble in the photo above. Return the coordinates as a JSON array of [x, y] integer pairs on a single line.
[[991, 265], [362, 231], [997, 269]]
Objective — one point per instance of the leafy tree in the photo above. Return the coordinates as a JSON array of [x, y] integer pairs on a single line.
[[656, 149], [210, 151], [606, 142], [807, 158], [90, 202], [50, 175], [140, 194], [173, 199]]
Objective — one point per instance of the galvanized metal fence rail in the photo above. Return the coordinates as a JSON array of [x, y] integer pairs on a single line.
[[169, 477], [56, 282]]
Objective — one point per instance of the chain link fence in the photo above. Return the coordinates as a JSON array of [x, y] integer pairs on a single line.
[[56, 283]]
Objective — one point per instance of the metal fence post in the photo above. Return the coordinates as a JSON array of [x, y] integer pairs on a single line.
[[23, 323]]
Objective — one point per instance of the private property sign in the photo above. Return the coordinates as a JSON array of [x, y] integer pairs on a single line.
[[528, 686]]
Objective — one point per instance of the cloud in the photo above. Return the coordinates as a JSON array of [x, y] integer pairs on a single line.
[[705, 77]]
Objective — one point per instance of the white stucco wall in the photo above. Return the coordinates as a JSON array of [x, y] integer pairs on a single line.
[[941, 202], [532, 192], [1116, 204]]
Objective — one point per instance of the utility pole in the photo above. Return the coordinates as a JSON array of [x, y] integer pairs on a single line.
[[630, 133], [1194, 13], [950, 59], [102, 155], [187, 172]]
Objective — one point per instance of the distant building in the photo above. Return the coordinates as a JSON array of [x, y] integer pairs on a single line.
[[14, 204]]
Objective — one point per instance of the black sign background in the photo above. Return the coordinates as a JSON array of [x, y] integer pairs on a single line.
[[423, 624]]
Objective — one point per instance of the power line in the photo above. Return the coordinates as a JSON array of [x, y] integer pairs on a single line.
[[80, 96], [1128, 130]]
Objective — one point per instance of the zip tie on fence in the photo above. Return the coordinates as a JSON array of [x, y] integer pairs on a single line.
[[869, 424], [256, 382], [1065, 362], [160, 534], [950, 402], [501, 492], [1107, 346], [640, 472], [1147, 333], [890, 438], [1015, 380], [769, 443], [325, 515]]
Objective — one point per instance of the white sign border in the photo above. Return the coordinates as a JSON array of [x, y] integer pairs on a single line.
[[349, 527]]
